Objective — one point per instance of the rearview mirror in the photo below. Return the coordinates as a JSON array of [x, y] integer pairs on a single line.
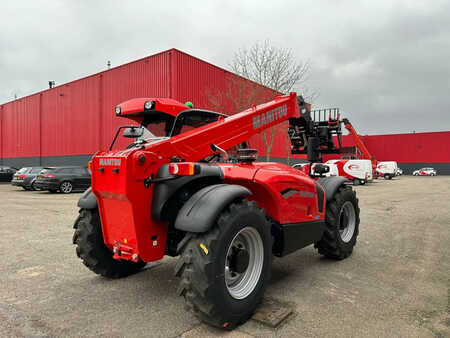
[[133, 132]]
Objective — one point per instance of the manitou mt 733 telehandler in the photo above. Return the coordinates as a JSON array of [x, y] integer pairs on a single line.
[[175, 191]]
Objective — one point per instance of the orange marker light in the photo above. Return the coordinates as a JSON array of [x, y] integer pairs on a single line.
[[184, 169]]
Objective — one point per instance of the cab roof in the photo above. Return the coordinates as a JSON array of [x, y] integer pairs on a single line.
[[135, 107]]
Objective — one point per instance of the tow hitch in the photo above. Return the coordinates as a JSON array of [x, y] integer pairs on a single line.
[[123, 251]]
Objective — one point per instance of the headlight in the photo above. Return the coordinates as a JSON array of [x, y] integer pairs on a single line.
[[118, 110], [149, 105]]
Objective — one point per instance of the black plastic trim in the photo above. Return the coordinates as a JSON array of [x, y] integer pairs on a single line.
[[293, 236], [331, 185], [163, 191], [200, 212], [320, 196], [87, 200]]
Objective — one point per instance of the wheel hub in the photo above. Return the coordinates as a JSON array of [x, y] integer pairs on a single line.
[[239, 260], [244, 263], [347, 221]]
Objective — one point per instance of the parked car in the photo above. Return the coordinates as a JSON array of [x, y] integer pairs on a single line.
[[387, 169], [425, 172], [6, 173], [63, 179], [26, 178]]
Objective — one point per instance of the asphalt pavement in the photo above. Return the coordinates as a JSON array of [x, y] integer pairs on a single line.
[[396, 283]]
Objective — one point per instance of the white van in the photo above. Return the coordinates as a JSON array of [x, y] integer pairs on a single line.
[[367, 164], [356, 171], [387, 169]]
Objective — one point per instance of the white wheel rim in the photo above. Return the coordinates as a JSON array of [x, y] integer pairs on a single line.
[[347, 221], [66, 187], [240, 285]]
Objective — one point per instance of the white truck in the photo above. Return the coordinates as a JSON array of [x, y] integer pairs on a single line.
[[387, 169]]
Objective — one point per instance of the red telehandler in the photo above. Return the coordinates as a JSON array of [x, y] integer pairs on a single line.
[[175, 191]]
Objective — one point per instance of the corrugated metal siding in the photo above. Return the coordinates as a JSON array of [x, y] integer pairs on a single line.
[[78, 118], [211, 87], [20, 128], [148, 77], [433, 147], [70, 118], [416, 147]]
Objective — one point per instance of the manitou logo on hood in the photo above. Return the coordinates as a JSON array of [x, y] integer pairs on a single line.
[[353, 167], [110, 161], [269, 117]]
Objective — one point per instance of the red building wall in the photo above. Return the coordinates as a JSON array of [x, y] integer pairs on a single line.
[[68, 123], [431, 147]]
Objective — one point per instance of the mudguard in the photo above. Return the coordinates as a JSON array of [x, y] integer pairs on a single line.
[[331, 185], [199, 213], [165, 190], [87, 200]]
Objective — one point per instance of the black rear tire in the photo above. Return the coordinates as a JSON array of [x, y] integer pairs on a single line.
[[356, 181], [94, 253], [333, 244], [205, 277]]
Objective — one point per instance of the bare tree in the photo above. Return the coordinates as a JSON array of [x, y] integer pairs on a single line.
[[238, 95], [270, 66], [275, 68]]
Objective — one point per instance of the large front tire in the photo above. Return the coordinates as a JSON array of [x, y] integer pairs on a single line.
[[342, 225], [94, 253], [224, 271]]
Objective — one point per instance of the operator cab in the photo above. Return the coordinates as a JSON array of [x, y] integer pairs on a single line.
[[162, 118]]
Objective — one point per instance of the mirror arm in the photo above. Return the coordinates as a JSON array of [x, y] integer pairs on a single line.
[[216, 148]]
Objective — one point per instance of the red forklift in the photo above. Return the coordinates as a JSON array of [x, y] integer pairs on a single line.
[[177, 191]]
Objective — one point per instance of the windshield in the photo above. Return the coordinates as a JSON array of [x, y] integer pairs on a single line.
[[157, 124], [192, 119], [160, 124]]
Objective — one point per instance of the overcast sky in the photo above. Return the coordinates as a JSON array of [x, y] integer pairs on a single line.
[[386, 64]]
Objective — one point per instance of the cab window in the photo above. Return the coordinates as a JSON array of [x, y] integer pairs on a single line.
[[193, 119]]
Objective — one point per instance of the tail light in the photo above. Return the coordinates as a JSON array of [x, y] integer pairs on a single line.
[[22, 176], [49, 176], [184, 169]]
